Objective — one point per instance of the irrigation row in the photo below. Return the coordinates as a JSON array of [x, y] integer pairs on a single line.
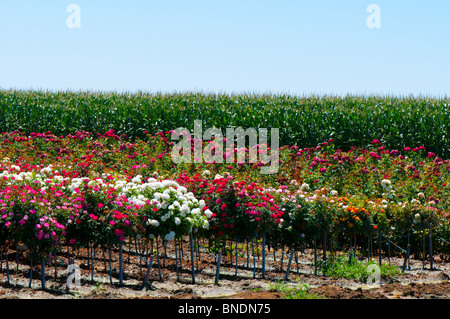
[[183, 255]]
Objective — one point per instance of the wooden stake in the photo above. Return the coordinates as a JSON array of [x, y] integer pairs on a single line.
[[31, 272], [219, 257], [110, 268], [176, 259], [430, 243], [248, 257], [120, 264], [423, 249], [149, 268], [254, 259], [157, 254], [315, 256], [42, 273], [92, 262], [17, 259], [192, 257], [264, 256], [289, 264], [236, 257], [379, 247], [7, 265]]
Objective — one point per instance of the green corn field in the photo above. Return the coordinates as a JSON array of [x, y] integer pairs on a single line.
[[304, 121]]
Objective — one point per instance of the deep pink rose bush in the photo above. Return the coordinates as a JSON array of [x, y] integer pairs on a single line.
[[238, 209], [28, 215]]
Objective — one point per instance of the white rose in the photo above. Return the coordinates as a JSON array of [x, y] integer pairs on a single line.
[[184, 209], [153, 222], [182, 189], [208, 213], [137, 179], [206, 173]]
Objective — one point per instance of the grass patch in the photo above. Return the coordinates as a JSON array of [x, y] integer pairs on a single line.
[[301, 291], [340, 267]]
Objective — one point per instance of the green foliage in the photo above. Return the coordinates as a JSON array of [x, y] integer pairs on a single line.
[[300, 291], [350, 120], [357, 270]]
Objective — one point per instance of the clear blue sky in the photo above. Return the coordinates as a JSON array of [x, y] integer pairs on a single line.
[[227, 46]]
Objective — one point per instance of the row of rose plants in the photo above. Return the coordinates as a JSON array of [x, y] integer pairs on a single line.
[[101, 188], [44, 210]]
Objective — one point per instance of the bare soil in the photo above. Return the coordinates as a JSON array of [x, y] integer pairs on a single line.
[[170, 280]]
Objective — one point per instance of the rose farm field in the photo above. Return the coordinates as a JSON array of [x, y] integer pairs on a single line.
[[92, 204]]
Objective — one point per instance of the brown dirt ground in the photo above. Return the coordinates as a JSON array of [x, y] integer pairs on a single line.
[[415, 283]]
